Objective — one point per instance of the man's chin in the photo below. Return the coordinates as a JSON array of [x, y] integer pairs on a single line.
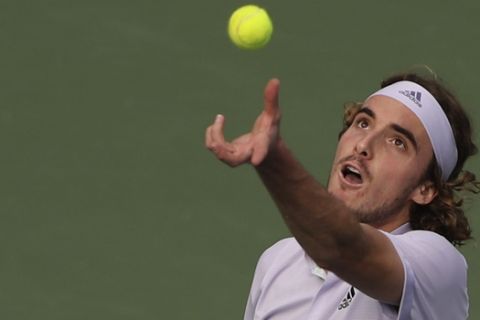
[[347, 196]]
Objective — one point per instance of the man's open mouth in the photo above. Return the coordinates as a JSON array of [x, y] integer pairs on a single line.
[[352, 174]]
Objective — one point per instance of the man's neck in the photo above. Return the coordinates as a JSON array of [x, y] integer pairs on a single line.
[[389, 226]]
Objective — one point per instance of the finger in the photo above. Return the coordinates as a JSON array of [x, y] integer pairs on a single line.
[[271, 94], [216, 139], [208, 138], [217, 130]]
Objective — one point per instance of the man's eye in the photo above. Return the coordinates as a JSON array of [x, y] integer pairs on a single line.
[[362, 124], [399, 143]]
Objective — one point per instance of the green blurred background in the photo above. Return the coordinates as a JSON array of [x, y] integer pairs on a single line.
[[110, 206]]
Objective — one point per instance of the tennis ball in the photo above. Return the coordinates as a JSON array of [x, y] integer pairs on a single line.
[[250, 27]]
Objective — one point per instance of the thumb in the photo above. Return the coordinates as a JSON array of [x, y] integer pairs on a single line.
[[271, 93]]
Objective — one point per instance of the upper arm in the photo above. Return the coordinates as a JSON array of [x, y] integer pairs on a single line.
[[436, 272], [419, 271]]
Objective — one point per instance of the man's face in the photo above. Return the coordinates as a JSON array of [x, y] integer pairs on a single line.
[[380, 160]]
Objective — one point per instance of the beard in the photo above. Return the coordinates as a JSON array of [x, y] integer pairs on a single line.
[[375, 213], [380, 214]]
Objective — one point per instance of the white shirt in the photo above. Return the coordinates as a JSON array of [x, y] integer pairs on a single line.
[[288, 285]]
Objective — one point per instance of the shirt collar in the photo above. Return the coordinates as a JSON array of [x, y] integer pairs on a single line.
[[404, 228]]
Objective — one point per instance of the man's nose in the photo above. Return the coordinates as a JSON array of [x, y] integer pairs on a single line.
[[365, 145]]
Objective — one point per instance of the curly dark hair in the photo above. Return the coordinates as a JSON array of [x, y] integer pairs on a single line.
[[444, 215]]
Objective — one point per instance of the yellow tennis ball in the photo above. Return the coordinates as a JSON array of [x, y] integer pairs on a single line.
[[250, 27]]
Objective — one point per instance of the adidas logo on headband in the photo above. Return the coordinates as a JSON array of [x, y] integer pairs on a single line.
[[415, 96]]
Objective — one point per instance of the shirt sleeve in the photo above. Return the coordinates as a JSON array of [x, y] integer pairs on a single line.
[[435, 285]]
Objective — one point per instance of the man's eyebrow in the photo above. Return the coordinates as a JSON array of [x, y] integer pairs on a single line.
[[367, 111], [407, 133]]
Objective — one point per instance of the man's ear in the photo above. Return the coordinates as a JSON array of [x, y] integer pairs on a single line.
[[424, 193]]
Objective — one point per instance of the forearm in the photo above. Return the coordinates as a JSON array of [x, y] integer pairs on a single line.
[[320, 223]]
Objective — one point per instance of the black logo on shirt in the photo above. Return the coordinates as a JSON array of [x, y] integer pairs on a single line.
[[348, 299]]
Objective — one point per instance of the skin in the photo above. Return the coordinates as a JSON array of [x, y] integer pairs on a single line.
[[338, 226]]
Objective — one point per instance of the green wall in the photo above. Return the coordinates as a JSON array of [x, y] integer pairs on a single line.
[[110, 206]]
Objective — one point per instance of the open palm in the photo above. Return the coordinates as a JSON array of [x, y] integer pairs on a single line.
[[251, 147]]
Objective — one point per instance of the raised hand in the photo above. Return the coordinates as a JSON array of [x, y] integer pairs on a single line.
[[254, 146]]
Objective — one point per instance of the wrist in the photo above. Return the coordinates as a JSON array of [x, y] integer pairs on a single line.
[[276, 152]]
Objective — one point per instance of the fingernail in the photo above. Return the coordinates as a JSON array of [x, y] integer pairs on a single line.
[[218, 117]]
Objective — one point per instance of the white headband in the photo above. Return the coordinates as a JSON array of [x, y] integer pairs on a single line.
[[430, 113]]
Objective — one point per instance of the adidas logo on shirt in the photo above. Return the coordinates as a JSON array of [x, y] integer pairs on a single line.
[[415, 96], [348, 299]]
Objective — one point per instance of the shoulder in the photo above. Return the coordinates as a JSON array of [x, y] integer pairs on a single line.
[[429, 247], [282, 247], [277, 254]]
